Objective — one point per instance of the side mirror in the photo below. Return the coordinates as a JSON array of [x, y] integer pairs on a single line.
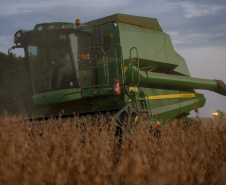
[[10, 60], [10, 54], [10, 57]]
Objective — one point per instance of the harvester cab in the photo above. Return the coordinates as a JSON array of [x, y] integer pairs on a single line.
[[115, 63]]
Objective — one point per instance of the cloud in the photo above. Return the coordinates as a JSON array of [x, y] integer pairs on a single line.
[[191, 39], [11, 8], [30, 6], [188, 23], [192, 10], [195, 23]]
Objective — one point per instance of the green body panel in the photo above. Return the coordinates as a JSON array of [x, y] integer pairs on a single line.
[[164, 107], [153, 46], [146, 22], [134, 50], [182, 68], [53, 97]]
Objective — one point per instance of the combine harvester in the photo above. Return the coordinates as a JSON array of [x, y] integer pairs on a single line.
[[218, 114], [123, 64]]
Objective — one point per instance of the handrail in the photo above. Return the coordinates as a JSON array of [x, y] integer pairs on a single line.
[[148, 104], [122, 63], [137, 98], [138, 64], [102, 50], [104, 66]]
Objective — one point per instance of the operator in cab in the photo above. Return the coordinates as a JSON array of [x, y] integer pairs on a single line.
[[64, 67]]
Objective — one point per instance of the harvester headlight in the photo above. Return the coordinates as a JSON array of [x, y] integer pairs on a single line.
[[215, 113], [40, 28], [18, 35], [115, 24]]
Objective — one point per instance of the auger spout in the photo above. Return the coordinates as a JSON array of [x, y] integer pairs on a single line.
[[169, 81]]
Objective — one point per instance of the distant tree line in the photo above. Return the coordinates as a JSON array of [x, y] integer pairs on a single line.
[[16, 92]]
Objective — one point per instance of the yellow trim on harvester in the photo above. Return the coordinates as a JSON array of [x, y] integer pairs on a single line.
[[133, 89], [171, 96]]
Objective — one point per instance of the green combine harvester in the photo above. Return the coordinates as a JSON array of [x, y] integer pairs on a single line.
[[218, 114], [122, 64]]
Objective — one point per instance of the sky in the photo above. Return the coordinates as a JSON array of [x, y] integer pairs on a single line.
[[197, 29]]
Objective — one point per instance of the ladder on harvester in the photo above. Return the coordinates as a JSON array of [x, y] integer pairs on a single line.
[[142, 103]]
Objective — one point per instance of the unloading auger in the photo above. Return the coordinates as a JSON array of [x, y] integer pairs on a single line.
[[160, 80]]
